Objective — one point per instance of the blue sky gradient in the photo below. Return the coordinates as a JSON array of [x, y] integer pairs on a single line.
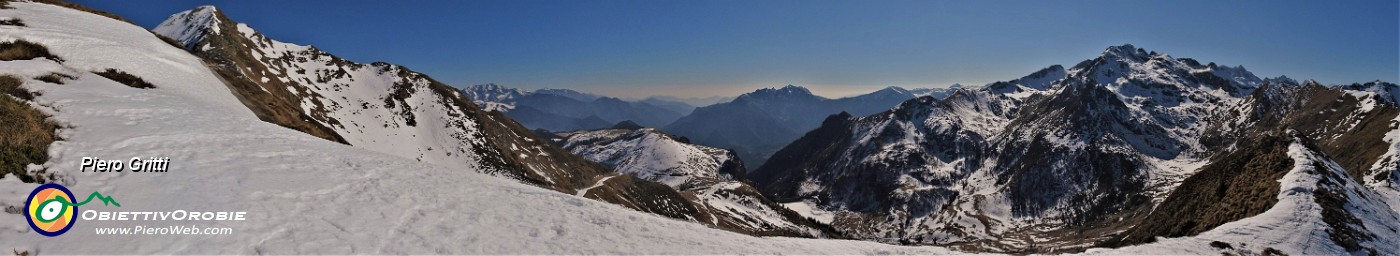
[[837, 48]]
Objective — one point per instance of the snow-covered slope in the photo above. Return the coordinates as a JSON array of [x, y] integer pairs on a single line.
[[492, 97], [303, 194]]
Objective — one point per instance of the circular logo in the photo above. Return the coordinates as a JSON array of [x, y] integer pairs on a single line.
[[50, 209]]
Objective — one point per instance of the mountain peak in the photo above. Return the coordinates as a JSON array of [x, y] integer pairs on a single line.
[[1311, 82], [784, 91], [894, 89], [205, 8], [1125, 48], [493, 93], [1280, 80], [491, 87], [793, 89], [628, 125], [1126, 51], [191, 26]]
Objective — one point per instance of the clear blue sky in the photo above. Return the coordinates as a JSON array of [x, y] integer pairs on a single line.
[[704, 48]]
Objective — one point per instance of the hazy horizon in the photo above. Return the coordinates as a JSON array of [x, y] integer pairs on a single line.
[[726, 48], [831, 92]]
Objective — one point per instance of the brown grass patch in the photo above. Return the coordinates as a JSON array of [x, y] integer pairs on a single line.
[[12, 22], [169, 41], [10, 86], [124, 78], [25, 50], [54, 78], [24, 136]]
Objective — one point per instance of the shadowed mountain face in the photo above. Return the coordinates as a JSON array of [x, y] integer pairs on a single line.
[[1117, 150], [759, 123], [393, 110]]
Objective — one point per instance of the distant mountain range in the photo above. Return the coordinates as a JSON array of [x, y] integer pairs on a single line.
[[692, 101], [569, 110], [755, 124], [759, 123]]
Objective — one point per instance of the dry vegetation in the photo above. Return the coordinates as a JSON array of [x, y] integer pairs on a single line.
[[169, 41], [25, 50], [124, 78], [12, 22], [25, 135], [54, 78]]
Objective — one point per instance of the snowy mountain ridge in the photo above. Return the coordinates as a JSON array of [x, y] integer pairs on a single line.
[[187, 27], [492, 97], [1059, 159]]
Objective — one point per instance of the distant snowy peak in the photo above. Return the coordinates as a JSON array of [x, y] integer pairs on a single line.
[[793, 89], [1126, 52], [1281, 80], [936, 93], [1387, 92], [1128, 70], [501, 94], [190, 26], [1236, 74], [506, 95], [784, 92], [493, 93]]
